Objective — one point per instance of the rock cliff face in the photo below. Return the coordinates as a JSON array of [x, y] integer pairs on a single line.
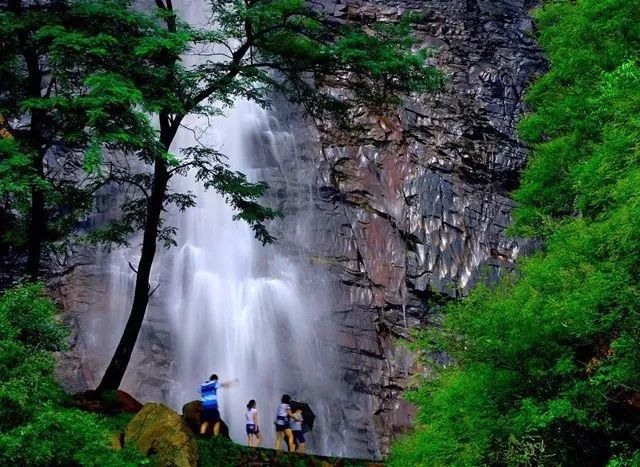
[[416, 209], [386, 223]]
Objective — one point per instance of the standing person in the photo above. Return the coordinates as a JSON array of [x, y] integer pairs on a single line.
[[282, 423], [296, 428], [254, 438], [210, 412]]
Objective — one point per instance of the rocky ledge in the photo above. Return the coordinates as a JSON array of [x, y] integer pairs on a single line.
[[169, 440]]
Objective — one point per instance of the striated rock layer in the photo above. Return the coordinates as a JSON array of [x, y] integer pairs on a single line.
[[416, 209], [388, 222]]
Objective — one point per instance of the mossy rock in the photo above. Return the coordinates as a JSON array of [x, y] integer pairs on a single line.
[[160, 433]]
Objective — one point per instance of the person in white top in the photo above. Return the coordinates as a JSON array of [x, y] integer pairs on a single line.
[[282, 424], [295, 423], [254, 438]]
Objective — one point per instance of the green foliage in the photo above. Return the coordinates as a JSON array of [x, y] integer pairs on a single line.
[[578, 107], [281, 46], [26, 316], [547, 362], [218, 452], [53, 104], [109, 67], [64, 437], [36, 427]]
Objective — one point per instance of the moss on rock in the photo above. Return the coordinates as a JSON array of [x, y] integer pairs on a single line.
[[160, 433]]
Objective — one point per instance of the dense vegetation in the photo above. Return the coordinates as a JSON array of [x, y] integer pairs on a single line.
[[547, 363], [38, 424]]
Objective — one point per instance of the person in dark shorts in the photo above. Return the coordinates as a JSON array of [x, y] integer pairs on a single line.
[[295, 423], [254, 438], [210, 413], [282, 423]]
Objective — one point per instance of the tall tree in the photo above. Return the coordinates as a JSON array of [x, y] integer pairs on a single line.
[[53, 120], [25, 77]]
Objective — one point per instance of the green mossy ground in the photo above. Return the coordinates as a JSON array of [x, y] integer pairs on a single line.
[[219, 452]]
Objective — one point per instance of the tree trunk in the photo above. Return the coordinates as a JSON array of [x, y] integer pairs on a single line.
[[168, 129], [38, 214], [37, 225], [120, 360]]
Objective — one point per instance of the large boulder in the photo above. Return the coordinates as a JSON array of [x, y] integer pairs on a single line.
[[159, 432], [191, 415]]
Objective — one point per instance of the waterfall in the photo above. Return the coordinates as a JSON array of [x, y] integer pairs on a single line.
[[225, 304], [236, 311]]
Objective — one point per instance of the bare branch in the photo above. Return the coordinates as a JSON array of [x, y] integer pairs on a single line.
[[154, 290]]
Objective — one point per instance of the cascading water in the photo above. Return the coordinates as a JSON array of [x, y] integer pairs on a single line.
[[235, 311], [225, 304]]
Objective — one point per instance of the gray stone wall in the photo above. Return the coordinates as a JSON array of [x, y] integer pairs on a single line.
[[415, 209]]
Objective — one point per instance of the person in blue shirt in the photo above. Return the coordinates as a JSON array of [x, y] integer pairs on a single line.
[[210, 412]]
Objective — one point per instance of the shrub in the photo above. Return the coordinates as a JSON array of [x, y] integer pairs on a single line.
[[36, 426]]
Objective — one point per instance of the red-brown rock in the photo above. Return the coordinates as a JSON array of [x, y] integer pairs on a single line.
[[110, 402]]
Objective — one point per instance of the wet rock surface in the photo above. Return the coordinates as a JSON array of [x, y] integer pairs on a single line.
[[415, 210]]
